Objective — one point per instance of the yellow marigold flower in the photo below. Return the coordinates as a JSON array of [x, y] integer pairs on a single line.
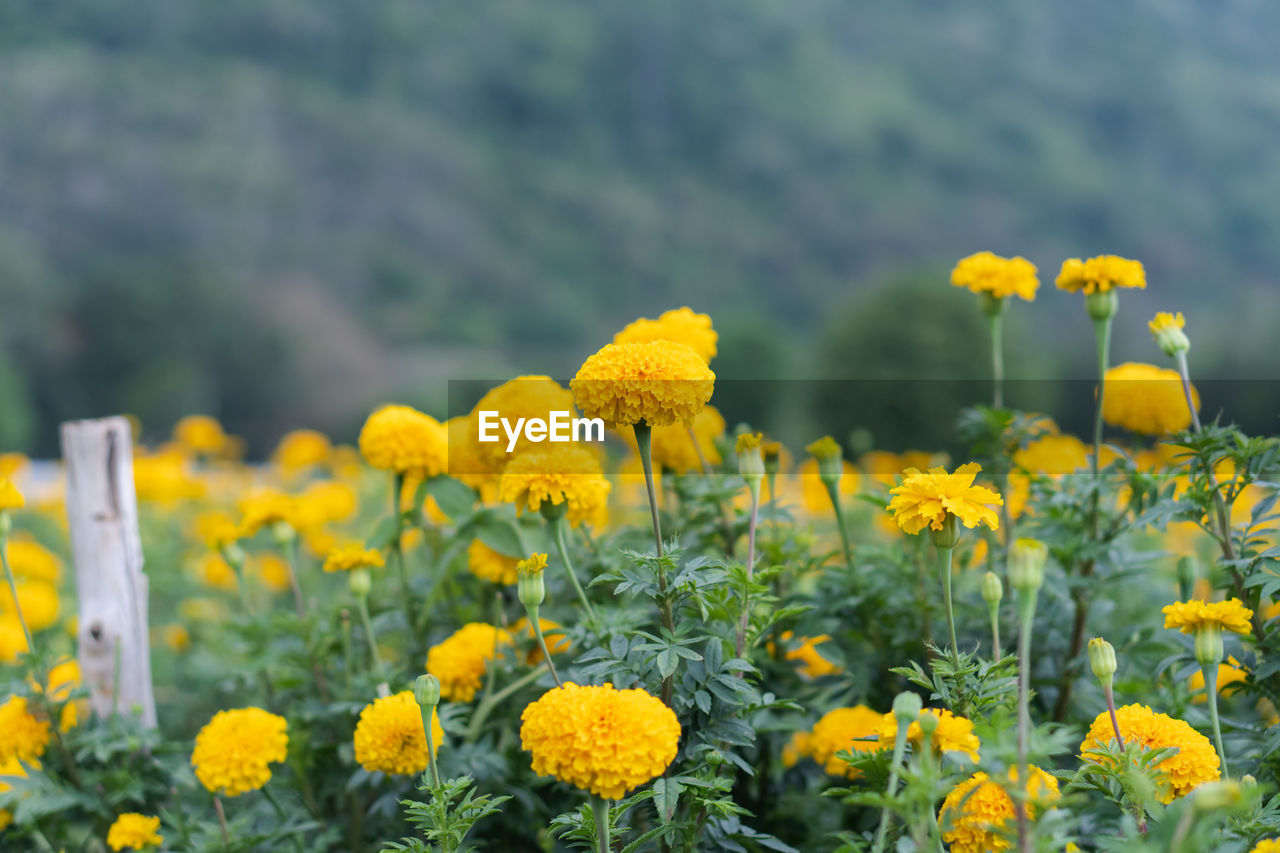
[[1163, 321], [986, 272], [461, 659], [216, 572], [235, 749], [23, 736], [1101, 274], [796, 749], [533, 564], [812, 663], [403, 440], [1229, 673], [13, 640], [1269, 845], [390, 737], [467, 459], [323, 502], [660, 383], [552, 633], [1195, 762], [200, 434], [522, 397], [266, 508], [1051, 456], [824, 448], [954, 734], [10, 497], [682, 326], [562, 473], [926, 499], [272, 570], [978, 814], [489, 565], [599, 739], [38, 600], [353, 556], [165, 477], [844, 730], [10, 768], [176, 637], [1190, 616], [748, 441], [302, 449], [30, 559], [216, 529], [133, 831], [1146, 399], [12, 464]]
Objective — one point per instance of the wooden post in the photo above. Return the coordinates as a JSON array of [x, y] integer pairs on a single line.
[[102, 510]]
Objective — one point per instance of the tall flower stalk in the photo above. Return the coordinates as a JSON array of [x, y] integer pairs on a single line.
[[1026, 575], [830, 458], [751, 468]]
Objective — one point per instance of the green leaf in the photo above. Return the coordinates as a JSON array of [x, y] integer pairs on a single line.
[[454, 497]]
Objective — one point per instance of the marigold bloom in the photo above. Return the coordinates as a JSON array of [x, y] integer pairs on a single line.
[[660, 383], [682, 326], [133, 831], [953, 734], [10, 497], [266, 508], [216, 529], [976, 817], [1269, 845], [467, 461], [1190, 616], [235, 749], [533, 564], [1146, 399], [39, 602], [302, 449], [1195, 762], [13, 640], [926, 499], [1101, 274], [1229, 673], [797, 748], [562, 473], [325, 501], [985, 272], [844, 730], [64, 678], [10, 768], [390, 736], [23, 735], [489, 565], [405, 441], [599, 739], [1163, 321], [200, 434], [165, 477], [812, 663], [460, 660], [824, 448], [523, 397], [353, 556]]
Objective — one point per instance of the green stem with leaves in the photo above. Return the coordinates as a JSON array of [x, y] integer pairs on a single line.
[[491, 700], [666, 611], [895, 769], [833, 492], [1026, 624], [1211, 695], [944, 567]]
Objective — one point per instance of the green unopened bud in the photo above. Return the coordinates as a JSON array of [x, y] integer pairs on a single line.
[[1167, 329], [1102, 660], [928, 724], [1101, 305], [1026, 564], [1248, 782], [948, 536], [530, 586], [990, 304], [772, 451], [1214, 796], [907, 707], [1209, 646], [992, 590], [553, 511], [830, 458], [359, 582], [234, 555], [6, 523], [283, 533], [426, 691], [750, 457]]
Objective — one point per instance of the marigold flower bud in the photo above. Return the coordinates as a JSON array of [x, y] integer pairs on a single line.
[[283, 532], [234, 555], [928, 724], [426, 691], [530, 586], [1026, 564], [907, 707], [359, 582], [750, 457], [830, 458], [1102, 660], [1167, 329], [1248, 782], [1208, 645], [1101, 305], [1213, 796], [772, 451], [992, 589]]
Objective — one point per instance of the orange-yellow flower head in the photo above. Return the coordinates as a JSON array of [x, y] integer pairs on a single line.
[[133, 831], [811, 662], [926, 499], [1191, 616], [461, 659], [560, 474], [1167, 329], [599, 739], [1101, 274], [659, 382], [682, 326], [200, 434], [953, 734], [843, 730], [489, 565], [1195, 763], [266, 508], [235, 750], [523, 397], [10, 497], [390, 737], [353, 556], [23, 736], [999, 277], [1268, 845], [405, 441], [978, 815], [1146, 399], [302, 449]]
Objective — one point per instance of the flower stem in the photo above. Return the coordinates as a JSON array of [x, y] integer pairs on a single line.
[[362, 604], [944, 566], [562, 546], [1026, 623], [13, 591], [833, 491], [427, 714], [490, 700], [751, 560], [1211, 694], [600, 809], [222, 819], [1110, 695], [397, 552], [536, 624], [643, 441], [995, 322], [895, 768]]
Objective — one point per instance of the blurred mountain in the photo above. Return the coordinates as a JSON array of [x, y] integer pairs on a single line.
[[281, 212]]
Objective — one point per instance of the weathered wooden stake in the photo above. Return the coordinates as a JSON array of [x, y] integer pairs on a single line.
[[102, 510]]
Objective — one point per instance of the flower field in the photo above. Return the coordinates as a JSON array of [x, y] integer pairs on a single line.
[[688, 637]]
